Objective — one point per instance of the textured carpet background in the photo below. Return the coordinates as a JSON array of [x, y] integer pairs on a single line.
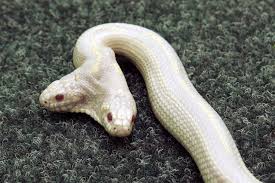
[[227, 48]]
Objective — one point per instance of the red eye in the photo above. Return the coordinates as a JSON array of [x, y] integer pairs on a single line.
[[133, 119], [59, 97], [109, 117]]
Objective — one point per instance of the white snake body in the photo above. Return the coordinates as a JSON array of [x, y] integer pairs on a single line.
[[175, 102]]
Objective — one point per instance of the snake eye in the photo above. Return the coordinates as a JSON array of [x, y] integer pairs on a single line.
[[133, 119], [109, 117], [59, 97]]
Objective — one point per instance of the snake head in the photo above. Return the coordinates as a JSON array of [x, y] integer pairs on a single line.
[[114, 109], [63, 95], [97, 88], [118, 114]]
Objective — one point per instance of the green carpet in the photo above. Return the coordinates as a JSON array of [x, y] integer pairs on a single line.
[[227, 48]]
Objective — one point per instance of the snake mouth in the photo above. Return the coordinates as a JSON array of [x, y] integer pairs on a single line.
[[64, 107]]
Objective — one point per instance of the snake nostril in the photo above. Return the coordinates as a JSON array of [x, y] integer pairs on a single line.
[[45, 102]]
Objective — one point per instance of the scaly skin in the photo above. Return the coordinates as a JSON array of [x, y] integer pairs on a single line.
[[97, 87]]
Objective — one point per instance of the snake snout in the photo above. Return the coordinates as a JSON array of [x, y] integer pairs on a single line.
[[43, 100], [121, 131]]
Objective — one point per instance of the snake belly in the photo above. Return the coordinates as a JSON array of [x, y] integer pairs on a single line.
[[174, 100]]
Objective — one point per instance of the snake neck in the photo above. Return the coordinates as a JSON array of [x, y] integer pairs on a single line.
[[175, 102]]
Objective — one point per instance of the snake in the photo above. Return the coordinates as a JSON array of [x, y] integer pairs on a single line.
[[98, 88]]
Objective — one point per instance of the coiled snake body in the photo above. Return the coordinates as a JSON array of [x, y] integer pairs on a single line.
[[97, 87]]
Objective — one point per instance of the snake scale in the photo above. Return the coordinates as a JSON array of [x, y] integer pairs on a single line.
[[98, 88]]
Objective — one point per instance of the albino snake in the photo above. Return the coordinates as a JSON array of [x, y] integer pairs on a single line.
[[98, 88]]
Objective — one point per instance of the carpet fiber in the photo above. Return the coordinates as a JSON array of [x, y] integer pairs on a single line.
[[227, 48]]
